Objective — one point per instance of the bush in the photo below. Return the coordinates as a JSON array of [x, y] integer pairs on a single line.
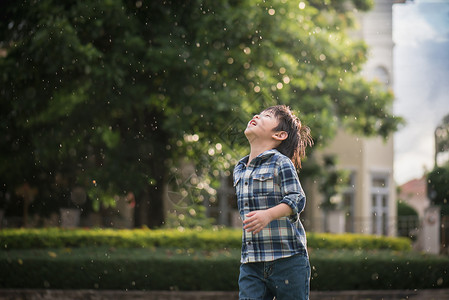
[[187, 238], [106, 268], [188, 269], [137, 238], [361, 270], [356, 242], [405, 210]]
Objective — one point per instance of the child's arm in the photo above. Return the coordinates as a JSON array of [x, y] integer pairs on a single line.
[[258, 219]]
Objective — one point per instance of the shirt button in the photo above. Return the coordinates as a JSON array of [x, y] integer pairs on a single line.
[[246, 203], [249, 243], [246, 182]]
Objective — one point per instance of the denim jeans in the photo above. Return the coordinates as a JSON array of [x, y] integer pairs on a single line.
[[285, 278]]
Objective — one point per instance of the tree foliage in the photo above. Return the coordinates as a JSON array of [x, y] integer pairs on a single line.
[[332, 182], [406, 210], [438, 185], [110, 94], [442, 137]]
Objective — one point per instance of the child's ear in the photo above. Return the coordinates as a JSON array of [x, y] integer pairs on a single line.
[[280, 135]]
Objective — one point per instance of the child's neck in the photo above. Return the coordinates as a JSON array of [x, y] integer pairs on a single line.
[[256, 150]]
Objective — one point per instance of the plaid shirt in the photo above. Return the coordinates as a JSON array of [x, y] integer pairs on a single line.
[[270, 179]]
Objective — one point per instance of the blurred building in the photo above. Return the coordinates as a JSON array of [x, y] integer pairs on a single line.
[[414, 193], [368, 204]]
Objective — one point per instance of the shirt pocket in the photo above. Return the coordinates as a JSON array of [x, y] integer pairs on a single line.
[[263, 184]]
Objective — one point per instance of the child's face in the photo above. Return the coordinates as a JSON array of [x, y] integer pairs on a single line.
[[261, 126]]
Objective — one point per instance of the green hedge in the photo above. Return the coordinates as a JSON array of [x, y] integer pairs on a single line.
[[361, 270], [357, 241], [135, 238], [180, 269], [104, 268], [188, 238]]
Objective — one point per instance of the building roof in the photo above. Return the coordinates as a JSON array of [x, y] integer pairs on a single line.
[[415, 188]]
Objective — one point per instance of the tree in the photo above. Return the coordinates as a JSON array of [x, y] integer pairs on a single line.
[[107, 94], [333, 181], [438, 185], [441, 138]]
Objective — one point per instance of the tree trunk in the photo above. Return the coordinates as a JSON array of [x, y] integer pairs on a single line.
[[150, 204]]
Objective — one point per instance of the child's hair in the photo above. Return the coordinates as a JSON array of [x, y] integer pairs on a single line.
[[299, 137]]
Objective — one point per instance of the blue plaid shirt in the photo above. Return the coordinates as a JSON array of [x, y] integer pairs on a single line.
[[270, 179]]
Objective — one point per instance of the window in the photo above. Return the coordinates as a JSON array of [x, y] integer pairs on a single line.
[[381, 74], [379, 204]]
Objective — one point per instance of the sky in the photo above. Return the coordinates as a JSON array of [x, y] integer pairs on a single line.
[[421, 82]]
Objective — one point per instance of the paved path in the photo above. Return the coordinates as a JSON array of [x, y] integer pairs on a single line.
[[442, 294]]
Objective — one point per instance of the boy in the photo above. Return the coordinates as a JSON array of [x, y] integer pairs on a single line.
[[274, 261]]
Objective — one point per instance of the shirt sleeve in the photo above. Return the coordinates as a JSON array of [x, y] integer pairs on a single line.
[[291, 190]]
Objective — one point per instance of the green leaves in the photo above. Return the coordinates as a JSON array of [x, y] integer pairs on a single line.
[[111, 88], [438, 185]]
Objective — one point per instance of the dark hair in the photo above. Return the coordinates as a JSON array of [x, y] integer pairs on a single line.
[[299, 137]]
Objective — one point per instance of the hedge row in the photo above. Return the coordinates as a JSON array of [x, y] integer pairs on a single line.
[[175, 269], [378, 270], [357, 241], [187, 238], [124, 238], [123, 269]]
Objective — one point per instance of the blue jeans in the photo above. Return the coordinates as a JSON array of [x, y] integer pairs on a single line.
[[285, 278]]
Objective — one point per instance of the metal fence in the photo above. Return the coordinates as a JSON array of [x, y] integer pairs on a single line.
[[408, 226]]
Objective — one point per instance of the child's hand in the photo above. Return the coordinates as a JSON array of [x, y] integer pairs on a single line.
[[257, 220]]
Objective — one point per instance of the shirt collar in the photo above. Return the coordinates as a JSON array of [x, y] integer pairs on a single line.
[[260, 157]]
